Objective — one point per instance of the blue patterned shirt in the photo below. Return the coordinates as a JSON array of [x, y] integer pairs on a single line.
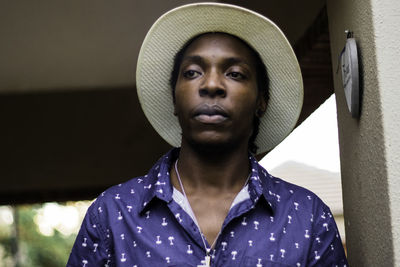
[[140, 223]]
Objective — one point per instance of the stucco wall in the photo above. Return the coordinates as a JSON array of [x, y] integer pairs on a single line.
[[386, 16], [369, 146]]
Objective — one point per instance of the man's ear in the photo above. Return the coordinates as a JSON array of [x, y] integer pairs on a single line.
[[174, 101], [261, 107]]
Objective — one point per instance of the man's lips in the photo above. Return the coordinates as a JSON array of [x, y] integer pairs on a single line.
[[210, 114]]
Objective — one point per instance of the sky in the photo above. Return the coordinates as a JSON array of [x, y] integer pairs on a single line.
[[314, 142]]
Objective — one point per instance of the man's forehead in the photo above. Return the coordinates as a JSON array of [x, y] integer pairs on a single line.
[[219, 45]]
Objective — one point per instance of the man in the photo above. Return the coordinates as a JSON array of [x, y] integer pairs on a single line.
[[235, 90]]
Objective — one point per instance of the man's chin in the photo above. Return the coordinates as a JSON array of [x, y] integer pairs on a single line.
[[213, 146]]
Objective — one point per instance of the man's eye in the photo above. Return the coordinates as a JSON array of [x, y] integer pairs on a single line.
[[191, 74], [236, 75]]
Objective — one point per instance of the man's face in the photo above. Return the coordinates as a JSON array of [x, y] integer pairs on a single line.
[[216, 91]]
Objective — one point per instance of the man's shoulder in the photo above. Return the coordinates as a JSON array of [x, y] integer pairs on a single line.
[[290, 188], [127, 193], [135, 191], [127, 188], [292, 194]]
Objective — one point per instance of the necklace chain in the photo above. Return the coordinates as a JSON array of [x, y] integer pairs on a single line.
[[190, 207], [208, 249]]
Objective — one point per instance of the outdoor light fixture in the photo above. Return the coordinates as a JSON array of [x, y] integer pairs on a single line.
[[350, 75]]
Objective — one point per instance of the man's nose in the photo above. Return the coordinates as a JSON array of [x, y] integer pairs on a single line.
[[213, 85]]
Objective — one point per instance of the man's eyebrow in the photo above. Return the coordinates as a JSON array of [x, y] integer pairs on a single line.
[[236, 60], [194, 59]]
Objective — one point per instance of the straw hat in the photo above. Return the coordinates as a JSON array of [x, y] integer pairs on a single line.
[[172, 30]]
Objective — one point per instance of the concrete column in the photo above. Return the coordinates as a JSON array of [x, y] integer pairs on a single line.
[[370, 145]]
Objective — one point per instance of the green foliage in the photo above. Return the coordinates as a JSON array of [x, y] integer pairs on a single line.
[[34, 248]]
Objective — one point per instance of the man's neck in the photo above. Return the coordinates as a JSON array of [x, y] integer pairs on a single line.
[[212, 171]]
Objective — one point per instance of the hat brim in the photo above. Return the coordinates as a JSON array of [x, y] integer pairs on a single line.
[[172, 30]]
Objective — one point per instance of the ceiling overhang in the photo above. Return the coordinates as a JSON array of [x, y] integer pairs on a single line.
[[68, 134]]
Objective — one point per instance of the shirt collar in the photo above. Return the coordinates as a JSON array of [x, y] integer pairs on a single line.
[[157, 182], [260, 184]]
